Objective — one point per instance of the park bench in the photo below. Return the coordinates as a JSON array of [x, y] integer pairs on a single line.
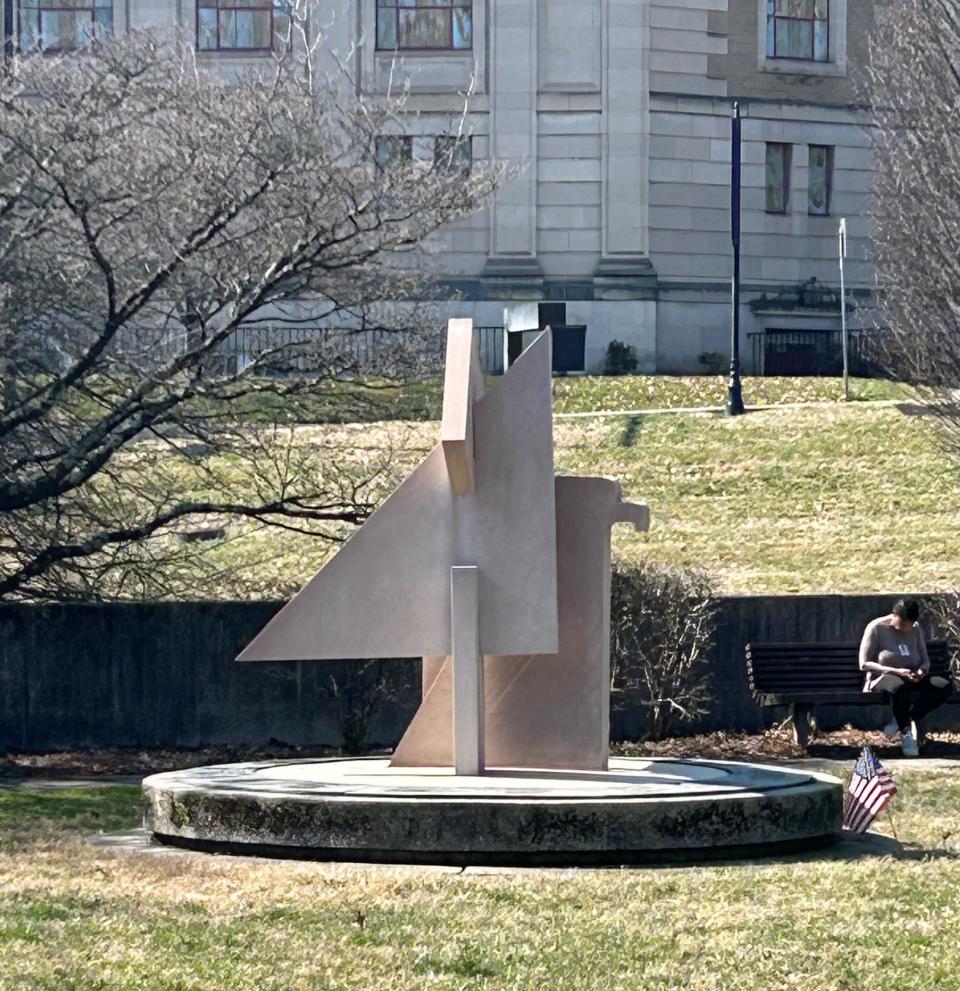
[[804, 675]]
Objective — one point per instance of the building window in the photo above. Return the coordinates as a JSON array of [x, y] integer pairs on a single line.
[[393, 150], [798, 29], [778, 177], [424, 24], [61, 25], [241, 25], [452, 154], [820, 180]]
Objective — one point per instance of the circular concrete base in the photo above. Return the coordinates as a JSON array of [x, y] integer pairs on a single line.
[[362, 810]]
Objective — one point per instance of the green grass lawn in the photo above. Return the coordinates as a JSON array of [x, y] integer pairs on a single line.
[[584, 394], [346, 402], [828, 497], [834, 499], [864, 915], [843, 497]]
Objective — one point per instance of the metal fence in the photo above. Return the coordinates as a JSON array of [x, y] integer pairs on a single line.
[[297, 351], [491, 349], [809, 352], [294, 350]]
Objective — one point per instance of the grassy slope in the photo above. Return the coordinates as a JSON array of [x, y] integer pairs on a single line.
[[836, 498], [575, 394], [628, 392], [76, 919]]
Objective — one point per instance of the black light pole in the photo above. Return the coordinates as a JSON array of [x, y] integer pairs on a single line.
[[734, 391], [7, 30]]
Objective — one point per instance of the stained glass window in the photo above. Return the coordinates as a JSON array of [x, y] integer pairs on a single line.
[[798, 29], [425, 24], [242, 25], [59, 25], [778, 178], [393, 150], [819, 180], [452, 154]]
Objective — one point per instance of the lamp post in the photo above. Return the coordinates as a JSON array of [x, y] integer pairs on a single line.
[[734, 390], [8, 37]]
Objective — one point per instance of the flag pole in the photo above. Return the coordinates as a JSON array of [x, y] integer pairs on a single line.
[[893, 825], [842, 254]]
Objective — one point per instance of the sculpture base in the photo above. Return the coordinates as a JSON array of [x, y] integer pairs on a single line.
[[362, 810]]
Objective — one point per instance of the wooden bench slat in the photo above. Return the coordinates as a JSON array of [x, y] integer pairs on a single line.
[[804, 675], [813, 698], [836, 645]]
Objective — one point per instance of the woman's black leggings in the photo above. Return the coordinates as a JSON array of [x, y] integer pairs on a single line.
[[914, 699]]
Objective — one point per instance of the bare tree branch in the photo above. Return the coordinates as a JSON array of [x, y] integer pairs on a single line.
[[193, 264]]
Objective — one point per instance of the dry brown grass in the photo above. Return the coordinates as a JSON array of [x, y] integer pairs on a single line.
[[76, 917], [824, 499]]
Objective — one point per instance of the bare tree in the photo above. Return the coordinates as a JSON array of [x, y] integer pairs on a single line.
[[913, 85], [662, 625], [186, 267]]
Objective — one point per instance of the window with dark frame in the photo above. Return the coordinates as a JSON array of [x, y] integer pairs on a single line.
[[798, 29], [424, 25], [778, 177], [242, 25], [452, 154], [62, 25], [393, 150], [820, 180]]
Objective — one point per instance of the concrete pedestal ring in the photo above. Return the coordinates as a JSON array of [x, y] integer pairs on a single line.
[[362, 810]]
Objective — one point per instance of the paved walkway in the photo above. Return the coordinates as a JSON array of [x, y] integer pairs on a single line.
[[892, 764], [819, 404], [54, 784]]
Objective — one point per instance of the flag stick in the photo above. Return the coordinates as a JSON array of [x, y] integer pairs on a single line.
[[893, 825], [842, 254]]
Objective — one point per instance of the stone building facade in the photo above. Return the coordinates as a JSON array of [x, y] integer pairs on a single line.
[[620, 112]]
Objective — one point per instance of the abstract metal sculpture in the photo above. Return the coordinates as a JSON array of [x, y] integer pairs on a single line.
[[492, 570]]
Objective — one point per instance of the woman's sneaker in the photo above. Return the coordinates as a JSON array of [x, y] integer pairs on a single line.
[[908, 744]]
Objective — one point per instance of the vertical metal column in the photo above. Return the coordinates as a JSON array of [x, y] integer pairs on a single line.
[[734, 390], [467, 661], [842, 253]]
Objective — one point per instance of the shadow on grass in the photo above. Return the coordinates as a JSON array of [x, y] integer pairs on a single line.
[[848, 848], [932, 749], [631, 431]]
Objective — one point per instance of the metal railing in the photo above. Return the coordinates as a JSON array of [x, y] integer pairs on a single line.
[[808, 352], [491, 350], [292, 351], [368, 351]]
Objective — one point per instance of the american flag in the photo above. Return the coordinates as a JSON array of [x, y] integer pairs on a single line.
[[871, 791]]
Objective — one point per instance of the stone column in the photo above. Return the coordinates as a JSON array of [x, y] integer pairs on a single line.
[[625, 139], [513, 136]]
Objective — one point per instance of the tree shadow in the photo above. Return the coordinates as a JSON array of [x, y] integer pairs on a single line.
[[932, 748], [631, 431], [847, 848]]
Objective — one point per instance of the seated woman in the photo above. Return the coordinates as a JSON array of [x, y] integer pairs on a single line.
[[893, 653]]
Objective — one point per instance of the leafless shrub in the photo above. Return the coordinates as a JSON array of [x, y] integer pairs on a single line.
[[945, 609], [662, 624], [151, 212], [361, 690]]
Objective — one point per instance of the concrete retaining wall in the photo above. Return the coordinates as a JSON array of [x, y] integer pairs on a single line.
[[163, 674]]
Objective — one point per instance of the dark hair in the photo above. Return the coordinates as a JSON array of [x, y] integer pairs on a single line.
[[908, 609]]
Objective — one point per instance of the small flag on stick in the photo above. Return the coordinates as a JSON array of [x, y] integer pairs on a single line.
[[871, 791]]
